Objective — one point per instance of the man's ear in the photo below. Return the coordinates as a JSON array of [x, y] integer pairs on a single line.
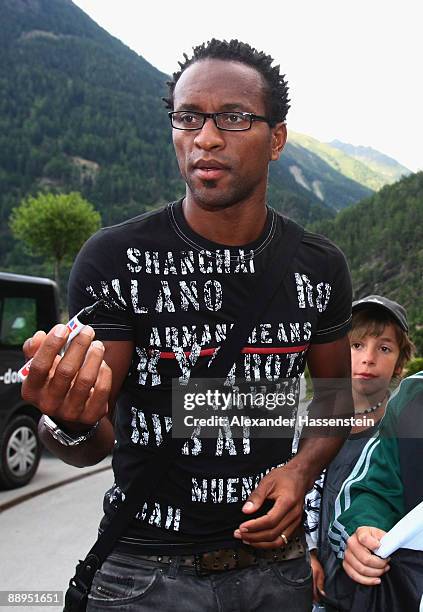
[[279, 135]]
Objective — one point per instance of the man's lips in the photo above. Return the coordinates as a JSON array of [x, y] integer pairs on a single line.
[[209, 169]]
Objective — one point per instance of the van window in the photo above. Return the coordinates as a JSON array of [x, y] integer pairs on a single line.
[[18, 320]]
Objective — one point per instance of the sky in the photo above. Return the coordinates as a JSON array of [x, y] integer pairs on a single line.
[[354, 68]]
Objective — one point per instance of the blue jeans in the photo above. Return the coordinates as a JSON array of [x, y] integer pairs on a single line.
[[128, 583]]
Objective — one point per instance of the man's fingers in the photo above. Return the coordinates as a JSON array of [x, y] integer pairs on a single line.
[[263, 545], [69, 367], [86, 401], [281, 508], [31, 345], [88, 372], [272, 538], [287, 525], [266, 535], [97, 404], [43, 361], [74, 387], [256, 499], [267, 545]]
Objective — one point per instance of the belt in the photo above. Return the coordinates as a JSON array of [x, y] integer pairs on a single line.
[[233, 558]]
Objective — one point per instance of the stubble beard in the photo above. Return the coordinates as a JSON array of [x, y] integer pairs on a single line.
[[210, 198]]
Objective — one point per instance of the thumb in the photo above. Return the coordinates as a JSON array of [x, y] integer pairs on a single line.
[[256, 499], [31, 345]]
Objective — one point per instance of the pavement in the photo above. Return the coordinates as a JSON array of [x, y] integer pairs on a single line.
[[51, 473], [43, 538]]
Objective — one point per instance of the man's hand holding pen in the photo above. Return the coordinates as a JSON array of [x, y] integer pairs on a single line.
[[74, 387]]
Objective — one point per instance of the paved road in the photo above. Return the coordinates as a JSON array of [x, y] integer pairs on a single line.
[[51, 472], [43, 537]]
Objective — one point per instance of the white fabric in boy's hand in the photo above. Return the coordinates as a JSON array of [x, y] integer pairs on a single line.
[[407, 533]]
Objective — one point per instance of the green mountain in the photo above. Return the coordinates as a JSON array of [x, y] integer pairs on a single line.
[[382, 237], [80, 111], [315, 172], [343, 162], [389, 169]]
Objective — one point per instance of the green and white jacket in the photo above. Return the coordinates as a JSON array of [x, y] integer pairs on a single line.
[[384, 483]]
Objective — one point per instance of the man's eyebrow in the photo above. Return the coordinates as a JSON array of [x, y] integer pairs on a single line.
[[232, 106], [188, 106]]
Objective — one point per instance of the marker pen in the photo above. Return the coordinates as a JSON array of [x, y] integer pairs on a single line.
[[74, 326]]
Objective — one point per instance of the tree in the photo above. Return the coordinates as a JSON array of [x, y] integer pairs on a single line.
[[414, 366], [54, 226]]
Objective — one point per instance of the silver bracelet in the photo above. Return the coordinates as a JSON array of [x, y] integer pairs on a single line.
[[65, 438]]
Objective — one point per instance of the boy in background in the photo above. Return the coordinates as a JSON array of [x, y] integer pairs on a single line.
[[386, 484], [380, 348]]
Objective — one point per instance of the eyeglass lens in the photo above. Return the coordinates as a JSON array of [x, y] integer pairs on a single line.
[[226, 121]]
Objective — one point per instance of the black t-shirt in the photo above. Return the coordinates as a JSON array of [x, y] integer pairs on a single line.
[[176, 294]]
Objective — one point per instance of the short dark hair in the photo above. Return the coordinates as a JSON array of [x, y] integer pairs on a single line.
[[277, 101]]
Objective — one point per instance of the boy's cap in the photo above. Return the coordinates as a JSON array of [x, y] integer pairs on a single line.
[[395, 310]]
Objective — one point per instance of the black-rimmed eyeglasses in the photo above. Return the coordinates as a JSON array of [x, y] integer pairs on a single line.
[[228, 121]]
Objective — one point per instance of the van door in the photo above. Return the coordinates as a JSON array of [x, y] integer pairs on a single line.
[[25, 306]]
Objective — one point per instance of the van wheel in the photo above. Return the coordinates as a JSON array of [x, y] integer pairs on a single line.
[[20, 452]]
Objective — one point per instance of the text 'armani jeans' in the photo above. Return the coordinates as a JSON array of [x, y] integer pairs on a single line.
[[128, 583]]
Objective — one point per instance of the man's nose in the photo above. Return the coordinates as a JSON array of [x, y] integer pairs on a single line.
[[209, 137]]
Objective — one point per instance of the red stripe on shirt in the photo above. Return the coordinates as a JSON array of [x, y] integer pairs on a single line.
[[248, 349]]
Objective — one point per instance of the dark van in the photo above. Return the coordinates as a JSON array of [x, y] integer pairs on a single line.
[[27, 303]]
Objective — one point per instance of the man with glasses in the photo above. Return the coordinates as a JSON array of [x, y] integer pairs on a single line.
[[222, 532]]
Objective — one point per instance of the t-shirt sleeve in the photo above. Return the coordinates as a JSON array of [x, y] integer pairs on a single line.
[[94, 276], [335, 319]]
